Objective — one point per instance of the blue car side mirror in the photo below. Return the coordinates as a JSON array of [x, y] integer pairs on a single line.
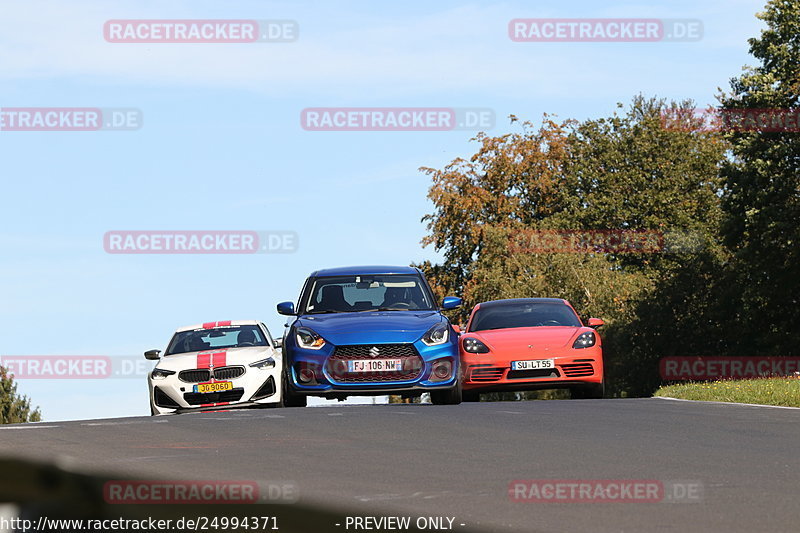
[[450, 302], [286, 308]]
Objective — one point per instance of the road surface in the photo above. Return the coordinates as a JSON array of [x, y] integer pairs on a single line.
[[458, 461]]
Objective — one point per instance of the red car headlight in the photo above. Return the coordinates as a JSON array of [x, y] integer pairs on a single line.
[[585, 340], [472, 345]]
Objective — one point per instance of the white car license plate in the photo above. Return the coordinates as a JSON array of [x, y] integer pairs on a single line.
[[375, 365], [536, 364]]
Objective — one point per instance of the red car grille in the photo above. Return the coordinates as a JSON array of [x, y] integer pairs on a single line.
[[337, 363], [577, 370], [486, 373]]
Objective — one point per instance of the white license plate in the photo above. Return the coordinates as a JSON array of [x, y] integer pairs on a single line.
[[536, 364], [375, 365]]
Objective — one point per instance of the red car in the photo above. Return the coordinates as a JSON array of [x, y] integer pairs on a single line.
[[528, 344]]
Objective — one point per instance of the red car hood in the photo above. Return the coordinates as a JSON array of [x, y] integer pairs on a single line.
[[554, 337]]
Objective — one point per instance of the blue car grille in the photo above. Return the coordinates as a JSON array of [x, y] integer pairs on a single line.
[[407, 353]]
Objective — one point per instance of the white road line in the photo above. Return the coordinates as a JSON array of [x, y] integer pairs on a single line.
[[511, 412], [274, 416], [147, 457], [123, 423], [414, 495], [334, 414], [31, 426], [724, 403]]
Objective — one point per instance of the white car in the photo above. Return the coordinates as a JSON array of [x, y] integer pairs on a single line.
[[216, 365]]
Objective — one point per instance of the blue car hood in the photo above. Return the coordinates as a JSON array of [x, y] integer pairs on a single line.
[[371, 327]]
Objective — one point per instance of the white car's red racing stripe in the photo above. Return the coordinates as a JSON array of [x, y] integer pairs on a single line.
[[212, 325], [215, 359]]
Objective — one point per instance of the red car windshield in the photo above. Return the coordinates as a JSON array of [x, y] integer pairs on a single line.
[[523, 315]]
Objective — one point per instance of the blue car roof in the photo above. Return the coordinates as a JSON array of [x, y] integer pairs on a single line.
[[364, 270]]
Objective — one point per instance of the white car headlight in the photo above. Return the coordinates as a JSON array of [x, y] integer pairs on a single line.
[[160, 373], [269, 362]]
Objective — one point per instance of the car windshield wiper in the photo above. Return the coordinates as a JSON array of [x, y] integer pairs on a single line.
[[326, 311]]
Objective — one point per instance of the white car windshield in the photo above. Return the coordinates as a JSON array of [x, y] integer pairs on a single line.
[[199, 340]]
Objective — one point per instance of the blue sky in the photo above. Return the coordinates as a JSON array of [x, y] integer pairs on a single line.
[[221, 148]]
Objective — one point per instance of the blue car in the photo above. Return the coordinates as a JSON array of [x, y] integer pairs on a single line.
[[369, 330]]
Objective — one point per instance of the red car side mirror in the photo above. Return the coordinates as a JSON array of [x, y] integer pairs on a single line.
[[595, 322]]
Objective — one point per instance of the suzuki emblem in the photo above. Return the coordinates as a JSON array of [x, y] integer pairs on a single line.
[[374, 351]]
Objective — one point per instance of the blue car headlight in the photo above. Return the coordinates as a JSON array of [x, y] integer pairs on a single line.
[[585, 340], [437, 335], [308, 338]]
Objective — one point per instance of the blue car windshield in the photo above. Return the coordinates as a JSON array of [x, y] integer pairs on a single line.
[[383, 292], [523, 315]]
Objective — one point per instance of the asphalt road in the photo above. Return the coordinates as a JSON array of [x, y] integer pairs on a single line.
[[458, 461]]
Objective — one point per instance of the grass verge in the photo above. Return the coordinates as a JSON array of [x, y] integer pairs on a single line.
[[765, 391]]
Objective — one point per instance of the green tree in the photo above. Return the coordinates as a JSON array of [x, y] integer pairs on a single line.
[[512, 181], [14, 408], [762, 190]]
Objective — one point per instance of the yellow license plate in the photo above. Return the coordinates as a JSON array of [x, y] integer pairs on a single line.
[[217, 386]]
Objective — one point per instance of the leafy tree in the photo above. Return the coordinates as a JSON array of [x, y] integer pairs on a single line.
[[512, 181], [762, 189], [735, 291], [14, 408]]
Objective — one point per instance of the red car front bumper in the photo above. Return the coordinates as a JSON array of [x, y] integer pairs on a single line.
[[494, 373]]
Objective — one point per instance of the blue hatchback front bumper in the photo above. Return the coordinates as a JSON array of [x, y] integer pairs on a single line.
[[329, 379]]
